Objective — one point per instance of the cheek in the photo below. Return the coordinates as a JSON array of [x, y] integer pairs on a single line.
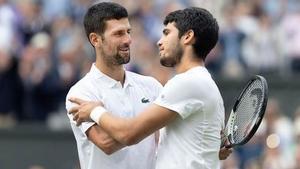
[[172, 44], [173, 40], [109, 46]]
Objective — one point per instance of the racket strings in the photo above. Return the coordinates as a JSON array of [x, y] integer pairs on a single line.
[[248, 111]]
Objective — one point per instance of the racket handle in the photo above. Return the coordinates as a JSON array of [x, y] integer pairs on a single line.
[[225, 143]]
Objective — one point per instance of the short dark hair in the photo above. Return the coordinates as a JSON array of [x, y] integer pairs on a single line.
[[95, 17], [204, 25]]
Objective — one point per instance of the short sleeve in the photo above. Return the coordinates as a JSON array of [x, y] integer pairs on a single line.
[[75, 92], [156, 88], [180, 95]]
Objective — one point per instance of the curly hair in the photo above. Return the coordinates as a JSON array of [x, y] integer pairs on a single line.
[[204, 25]]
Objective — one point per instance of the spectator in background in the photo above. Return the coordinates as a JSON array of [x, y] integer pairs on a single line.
[[231, 39], [10, 86], [10, 89], [38, 77], [297, 138], [249, 155], [262, 49], [291, 25], [297, 123], [8, 21], [150, 20], [51, 9], [31, 20], [297, 155], [68, 49], [275, 9], [279, 140]]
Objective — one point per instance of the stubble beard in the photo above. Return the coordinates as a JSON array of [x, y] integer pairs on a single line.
[[116, 59], [119, 59], [174, 59]]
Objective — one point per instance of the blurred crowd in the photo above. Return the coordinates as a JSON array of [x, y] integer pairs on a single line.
[[276, 144], [44, 51]]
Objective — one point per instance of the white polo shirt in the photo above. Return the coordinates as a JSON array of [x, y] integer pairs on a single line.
[[192, 141], [136, 94]]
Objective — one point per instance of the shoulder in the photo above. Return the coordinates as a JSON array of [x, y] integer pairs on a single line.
[[82, 86], [84, 89], [181, 81], [145, 81], [198, 75], [192, 82]]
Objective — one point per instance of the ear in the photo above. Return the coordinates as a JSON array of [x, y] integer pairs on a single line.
[[189, 37], [95, 39]]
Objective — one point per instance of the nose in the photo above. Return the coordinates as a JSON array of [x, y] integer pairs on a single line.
[[159, 43], [127, 39]]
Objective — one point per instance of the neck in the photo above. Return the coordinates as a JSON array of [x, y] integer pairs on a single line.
[[189, 60], [116, 72]]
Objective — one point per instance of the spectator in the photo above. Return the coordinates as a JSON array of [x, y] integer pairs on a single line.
[[38, 77]]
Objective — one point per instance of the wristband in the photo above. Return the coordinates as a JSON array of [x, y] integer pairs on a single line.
[[96, 113]]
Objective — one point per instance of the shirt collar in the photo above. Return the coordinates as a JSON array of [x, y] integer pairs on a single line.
[[110, 82]]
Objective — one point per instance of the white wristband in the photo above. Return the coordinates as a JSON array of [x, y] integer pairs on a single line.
[[96, 113]]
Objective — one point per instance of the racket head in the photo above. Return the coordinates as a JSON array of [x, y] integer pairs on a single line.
[[247, 112]]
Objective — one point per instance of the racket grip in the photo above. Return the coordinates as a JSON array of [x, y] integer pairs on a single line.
[[223, 141]]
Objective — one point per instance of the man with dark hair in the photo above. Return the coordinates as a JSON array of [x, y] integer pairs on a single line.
[[108, 30], [189, 107]]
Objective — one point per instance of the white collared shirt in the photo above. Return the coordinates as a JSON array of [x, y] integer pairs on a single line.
[[191, 141], [137, 92]]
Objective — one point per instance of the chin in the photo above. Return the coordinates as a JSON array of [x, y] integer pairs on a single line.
[[167, 62], [126, 59]]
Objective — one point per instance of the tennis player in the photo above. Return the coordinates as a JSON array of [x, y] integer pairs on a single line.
[[108, 30], [189, 107]]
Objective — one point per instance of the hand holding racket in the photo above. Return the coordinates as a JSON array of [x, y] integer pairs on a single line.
[[247, 113]]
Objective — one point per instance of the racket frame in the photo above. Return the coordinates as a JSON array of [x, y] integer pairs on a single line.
[[229, 129]]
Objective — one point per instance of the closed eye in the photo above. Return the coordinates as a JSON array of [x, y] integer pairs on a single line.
[[122, 32], [119, 33], [166, 32]]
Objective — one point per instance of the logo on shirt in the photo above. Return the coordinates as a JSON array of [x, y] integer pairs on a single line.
[[144, 100]]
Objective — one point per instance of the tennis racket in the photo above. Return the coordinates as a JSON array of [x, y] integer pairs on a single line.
[[247, 113]]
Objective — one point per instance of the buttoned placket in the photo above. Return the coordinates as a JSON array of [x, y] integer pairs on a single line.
[[124, 96]]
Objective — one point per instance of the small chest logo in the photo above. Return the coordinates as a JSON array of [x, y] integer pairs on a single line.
[[145, 100]]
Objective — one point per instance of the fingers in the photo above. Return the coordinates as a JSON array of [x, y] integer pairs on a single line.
[[78, 122], [76, 100], [224, 153], [227, 144], [77, 119], [75, 116], [228, 152], [82, 111], [74, 110]]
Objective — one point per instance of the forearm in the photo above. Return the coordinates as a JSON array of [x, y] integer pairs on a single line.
[[120, 129], [132, 130], [103, 140], [126, 131]]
